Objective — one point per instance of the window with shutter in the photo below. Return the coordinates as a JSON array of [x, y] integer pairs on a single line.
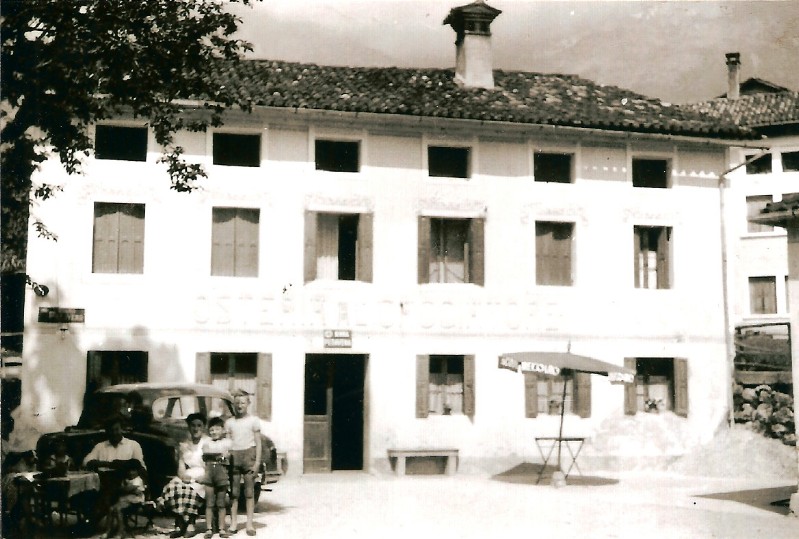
[[234, 237], [118, 244], [652, 257], [762, 295], [553, 256], [340, 246], [660, 384], [232, 371], [451, 250], [550, 394]]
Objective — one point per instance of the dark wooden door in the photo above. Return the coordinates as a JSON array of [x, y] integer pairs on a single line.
[[317, 428]]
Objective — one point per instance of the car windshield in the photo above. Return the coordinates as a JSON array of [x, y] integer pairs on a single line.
[[179, 407]]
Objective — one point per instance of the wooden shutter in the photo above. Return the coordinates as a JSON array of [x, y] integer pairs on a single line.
[[263, 400], [630, 405], [310, 245], [202, 368], [543, 239], [637, 256], [424, 250], [663, 255], [365, 242], [477, 251], [582, 394], [422, 385], [530, 394], [131, 238], [563, 235], [681, 387], [468, 386], [106, 238], [222, 242], [246, 242]]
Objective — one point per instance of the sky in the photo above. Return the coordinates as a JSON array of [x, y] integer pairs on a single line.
[[672, 50]]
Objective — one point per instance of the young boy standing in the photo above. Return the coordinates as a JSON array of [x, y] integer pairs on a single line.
[[215, 456], [244, 432]]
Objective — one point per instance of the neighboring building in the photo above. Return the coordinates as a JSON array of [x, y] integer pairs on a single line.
[[369, 240], [757, 254]]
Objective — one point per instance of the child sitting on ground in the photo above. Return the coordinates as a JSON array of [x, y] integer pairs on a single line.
[[216, 481], [131, 491]]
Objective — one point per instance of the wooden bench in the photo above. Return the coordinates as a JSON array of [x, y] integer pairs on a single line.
[[451, 456]]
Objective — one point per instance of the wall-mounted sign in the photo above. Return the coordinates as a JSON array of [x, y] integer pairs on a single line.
[[337, 338], [61, 315]]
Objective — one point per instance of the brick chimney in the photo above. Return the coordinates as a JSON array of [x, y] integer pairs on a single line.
[[473, 62], [733, 75]]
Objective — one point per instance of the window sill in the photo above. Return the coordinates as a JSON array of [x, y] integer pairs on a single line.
[[781, 233]]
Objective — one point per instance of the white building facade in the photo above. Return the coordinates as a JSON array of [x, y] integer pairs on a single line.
[[360, 272]]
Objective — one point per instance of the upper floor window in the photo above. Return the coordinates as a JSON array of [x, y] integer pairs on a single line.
[[337, 155], [451, 250], [234, 242], [552, 167], [118, 238], [754, 205], [652, 173], [660, 384], [338, 246], [652, 256], [553, 253], [790, 161], [120, 143], [448, 161], [237, 149], [763, 295], [761, 165], [444, 385]]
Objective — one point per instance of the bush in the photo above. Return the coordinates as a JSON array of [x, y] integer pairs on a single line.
[[766, 411]]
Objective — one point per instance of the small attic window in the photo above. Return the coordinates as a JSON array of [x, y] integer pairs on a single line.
[[448, 162], [761, 165], [237, 150], [552, 167], [120, 143], [651, 173], [337, 156]]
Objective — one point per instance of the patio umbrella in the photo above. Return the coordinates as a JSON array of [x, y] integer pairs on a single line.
[[556, 363]]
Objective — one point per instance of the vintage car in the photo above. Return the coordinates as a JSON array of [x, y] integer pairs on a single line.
[[154, 415]]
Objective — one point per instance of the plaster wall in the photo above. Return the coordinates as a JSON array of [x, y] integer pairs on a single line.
[[175, 308]]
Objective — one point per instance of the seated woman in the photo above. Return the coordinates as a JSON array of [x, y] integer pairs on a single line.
[[17, 492], [184, 495]]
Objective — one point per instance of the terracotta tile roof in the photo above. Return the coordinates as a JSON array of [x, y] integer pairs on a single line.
[[789, 202], [520, 97], [754, 110]]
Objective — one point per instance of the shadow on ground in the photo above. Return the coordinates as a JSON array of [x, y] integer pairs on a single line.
[[527, 473], [773, 499]]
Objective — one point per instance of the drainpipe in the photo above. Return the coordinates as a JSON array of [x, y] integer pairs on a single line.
[[728, 330]]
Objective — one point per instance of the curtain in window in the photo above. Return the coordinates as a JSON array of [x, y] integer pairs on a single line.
[[327, 247], [449, 251]]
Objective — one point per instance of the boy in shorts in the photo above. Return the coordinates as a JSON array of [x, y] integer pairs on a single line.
[[215, 456], [244, 432]]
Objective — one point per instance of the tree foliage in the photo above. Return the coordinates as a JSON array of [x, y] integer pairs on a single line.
[[67, 65]]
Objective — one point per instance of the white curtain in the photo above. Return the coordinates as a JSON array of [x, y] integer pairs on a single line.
[[327, 247]]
